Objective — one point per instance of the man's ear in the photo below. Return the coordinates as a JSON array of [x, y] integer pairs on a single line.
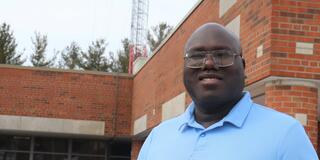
[[243, 62]]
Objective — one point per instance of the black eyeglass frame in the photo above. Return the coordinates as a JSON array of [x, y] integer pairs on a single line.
[[211, 52]]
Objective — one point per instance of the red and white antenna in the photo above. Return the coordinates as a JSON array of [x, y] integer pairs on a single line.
[[139, 30]]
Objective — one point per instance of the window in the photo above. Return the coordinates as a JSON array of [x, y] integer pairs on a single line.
[[119, 149], [38, 156], [14, 147], [20, 143], [45, 148], [87, 158], [13, 156], [80, 146], [51, 145]]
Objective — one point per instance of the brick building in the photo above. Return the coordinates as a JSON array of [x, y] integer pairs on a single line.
[[92, 115]]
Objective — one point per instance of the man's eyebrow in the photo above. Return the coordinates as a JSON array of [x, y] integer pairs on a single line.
[[202, 48]]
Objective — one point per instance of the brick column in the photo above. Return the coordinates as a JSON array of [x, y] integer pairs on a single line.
[[299, 101], [135, 148], [318, 138]]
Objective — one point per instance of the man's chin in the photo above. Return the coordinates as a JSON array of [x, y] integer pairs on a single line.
[[210, 98], [212, 105], [210, 93]]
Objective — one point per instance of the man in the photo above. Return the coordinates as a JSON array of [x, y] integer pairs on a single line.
[[222, 122]]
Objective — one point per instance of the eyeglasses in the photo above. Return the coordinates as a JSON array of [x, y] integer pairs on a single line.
[[221, 58]]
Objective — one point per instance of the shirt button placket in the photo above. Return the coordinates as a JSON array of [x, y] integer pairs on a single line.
[[202, 134], [200, 140]]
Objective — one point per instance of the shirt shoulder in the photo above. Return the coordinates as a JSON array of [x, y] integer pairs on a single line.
[[267, 121], [172, 124], [269, 115], [286, 134]]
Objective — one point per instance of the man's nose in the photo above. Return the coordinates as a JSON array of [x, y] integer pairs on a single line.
[[209, 63]]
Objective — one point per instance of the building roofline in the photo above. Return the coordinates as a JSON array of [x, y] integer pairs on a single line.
[[66, 70], [108, 73], [171, 34]]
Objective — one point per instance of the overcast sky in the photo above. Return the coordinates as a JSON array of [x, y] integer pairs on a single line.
[[83, 21]]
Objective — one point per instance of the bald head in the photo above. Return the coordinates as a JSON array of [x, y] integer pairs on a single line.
[[212, 36]]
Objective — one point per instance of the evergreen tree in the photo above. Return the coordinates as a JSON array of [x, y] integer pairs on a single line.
[[158, 34], [8, 46], [121, 64], [38, 57], [71, 56], [94, 58]]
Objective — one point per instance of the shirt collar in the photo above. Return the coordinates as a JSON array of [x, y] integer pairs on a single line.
[[236, 116], [187, 116], [240, 111]]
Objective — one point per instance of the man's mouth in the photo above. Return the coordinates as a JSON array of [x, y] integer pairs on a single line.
[[209, 77]]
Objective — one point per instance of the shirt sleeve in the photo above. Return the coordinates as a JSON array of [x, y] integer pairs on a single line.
[[296, 145], [145, 147]]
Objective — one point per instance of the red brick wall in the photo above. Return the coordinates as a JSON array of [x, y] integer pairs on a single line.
[[318, 148], [295, 21], [136, 145], [296, 99], [255, 31], [70, 95]]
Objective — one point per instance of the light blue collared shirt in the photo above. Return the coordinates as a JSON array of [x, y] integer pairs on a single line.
[[249, 132]]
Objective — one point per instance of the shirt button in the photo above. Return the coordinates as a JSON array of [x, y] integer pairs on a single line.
[[202, 134]]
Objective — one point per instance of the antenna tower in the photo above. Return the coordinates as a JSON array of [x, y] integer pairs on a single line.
[[139, 30]]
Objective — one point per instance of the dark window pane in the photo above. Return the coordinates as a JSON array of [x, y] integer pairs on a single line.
[[88, 147], [86, 158], [120, 148], [50, 157], [56, 145], [14, 156], [2, 155], [21, 143]]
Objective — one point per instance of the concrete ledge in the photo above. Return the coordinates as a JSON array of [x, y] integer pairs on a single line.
[[234, 26], [125, 75], [51, 125], [293, 82], [224, 6], [275, 80], [174, 107], [140, 125]]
